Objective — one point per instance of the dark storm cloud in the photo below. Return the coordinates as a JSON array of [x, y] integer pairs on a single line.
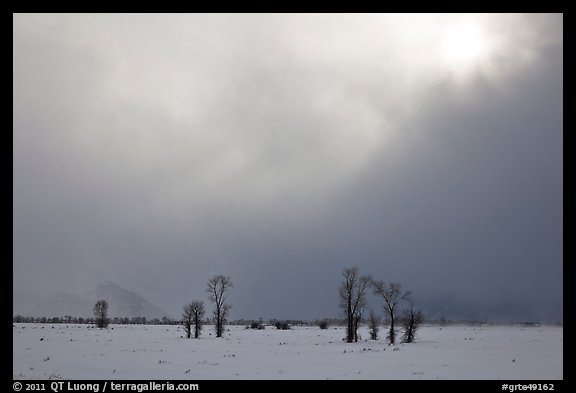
[[157, 150]]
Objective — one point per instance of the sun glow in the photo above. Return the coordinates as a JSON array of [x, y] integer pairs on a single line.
[[463, 44]]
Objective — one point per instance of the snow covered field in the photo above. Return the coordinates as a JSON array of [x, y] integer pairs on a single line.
[[159, 352]]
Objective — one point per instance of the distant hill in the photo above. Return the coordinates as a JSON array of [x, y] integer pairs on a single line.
[[122, 303]]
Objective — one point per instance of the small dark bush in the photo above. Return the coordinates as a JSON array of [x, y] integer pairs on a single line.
[[323, 325], [282, 325]]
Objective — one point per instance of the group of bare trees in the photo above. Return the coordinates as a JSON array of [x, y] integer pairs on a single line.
[[353, 302], [192, 316], [193, 313]]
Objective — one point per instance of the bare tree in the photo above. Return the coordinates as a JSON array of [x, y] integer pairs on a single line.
[[187, 319], [392, 295], [192, 316], [218, 287], [374, 325], [353, 299], [101, 314], [412, 319]]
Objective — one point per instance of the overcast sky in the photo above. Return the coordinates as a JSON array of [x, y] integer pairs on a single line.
[[157, 150]]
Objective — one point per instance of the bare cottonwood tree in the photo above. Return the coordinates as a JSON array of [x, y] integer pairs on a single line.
[[218, 287], [192, 316], [101, 314], [374, 325], [353, 299], [412, 319], [391, 295]]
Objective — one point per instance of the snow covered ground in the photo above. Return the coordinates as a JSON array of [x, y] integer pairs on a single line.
[[159, 352]]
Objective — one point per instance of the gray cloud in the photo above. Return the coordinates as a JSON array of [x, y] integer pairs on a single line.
[[156, 150]]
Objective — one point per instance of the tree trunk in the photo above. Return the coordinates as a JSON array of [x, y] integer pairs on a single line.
[[218, 323], [350, 331], [196, 327], [350, 325]]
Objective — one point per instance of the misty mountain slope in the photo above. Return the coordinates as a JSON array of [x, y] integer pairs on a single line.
[[122, 303], [61, 304]]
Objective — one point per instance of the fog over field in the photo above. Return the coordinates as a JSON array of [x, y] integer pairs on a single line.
[[154, 151]]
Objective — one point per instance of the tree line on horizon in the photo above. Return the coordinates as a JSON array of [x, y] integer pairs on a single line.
[[352, 294]]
